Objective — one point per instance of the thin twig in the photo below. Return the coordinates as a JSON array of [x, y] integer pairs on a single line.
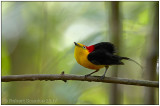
[[65, 77]]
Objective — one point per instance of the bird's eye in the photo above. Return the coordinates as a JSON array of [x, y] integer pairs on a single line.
[[84, 47]]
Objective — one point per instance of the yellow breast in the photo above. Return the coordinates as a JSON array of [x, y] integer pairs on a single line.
[[81, 57]]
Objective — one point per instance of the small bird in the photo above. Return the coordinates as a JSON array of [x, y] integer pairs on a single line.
[[98, 56]]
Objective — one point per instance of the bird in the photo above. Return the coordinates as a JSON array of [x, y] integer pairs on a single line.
[[98, 56]]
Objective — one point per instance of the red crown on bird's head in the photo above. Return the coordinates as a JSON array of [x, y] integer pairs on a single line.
[[90, 48]]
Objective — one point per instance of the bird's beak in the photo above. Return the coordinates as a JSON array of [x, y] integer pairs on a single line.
[[76, 44]]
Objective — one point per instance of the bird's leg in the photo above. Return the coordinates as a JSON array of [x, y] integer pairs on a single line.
[[102, 77], [91, 73]]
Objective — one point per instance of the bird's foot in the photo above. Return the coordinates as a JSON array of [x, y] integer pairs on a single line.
[[102, 77], [87, 75]]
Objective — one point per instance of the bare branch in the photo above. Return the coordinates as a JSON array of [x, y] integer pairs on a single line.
[[65, 77]]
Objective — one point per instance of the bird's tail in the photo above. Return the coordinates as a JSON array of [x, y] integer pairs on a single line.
[[126, 58]]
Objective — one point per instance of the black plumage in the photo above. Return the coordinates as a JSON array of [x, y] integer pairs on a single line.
[[103, 54], [107, 46]]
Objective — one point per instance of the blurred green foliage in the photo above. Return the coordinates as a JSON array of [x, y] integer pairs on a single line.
[[37, 38]]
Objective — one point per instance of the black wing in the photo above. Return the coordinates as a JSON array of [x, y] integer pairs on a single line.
[[102, 57], [109, 47]]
